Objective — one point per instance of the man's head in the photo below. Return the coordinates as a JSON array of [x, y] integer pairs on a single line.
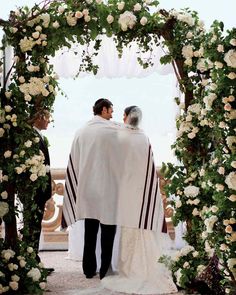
[[103, 108], [41, 119]]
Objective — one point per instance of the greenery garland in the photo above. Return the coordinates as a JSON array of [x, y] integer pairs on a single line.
[[205, 180]]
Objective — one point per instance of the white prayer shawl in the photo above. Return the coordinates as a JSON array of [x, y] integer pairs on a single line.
[[111, 177]]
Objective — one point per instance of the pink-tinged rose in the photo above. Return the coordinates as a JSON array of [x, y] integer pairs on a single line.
[[79, 14], [227, 107], [228, 229]]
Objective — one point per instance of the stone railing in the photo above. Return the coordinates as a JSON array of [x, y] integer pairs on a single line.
[[52, 237]]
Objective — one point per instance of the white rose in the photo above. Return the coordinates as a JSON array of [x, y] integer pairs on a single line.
[[187, 51], [87, 18], [186, 265], [219, 187], [223, 247], [178, 204], [189, 35], [19, 170], [195, 212], [7, 154], [143, 21], [4, 195], [36, 35], [120, 5], [28, 143], [232, 198], [186, 18], [56, 25], [4, 209], [233, 42], [110, 19], [221, 170], [230, 180], [232, 220], [8, 108], [42, 285], [61, 9], [220, 48], [15, 278], [188, 62], [22, 263], [200, 269], [127, 20], [27, 97], [195, 253], [230, 58], [38, 28], [137, 7], [231, 75], [191, 135], [35, 274], [21, 79], [204, 64], [185, 250], [85, 12], [191, 191], [218, 65], [71, 20], [2, 131], [8, 94], [33, 177], [30, 250], [13, 285]]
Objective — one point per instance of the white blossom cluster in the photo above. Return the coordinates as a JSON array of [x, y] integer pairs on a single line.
[[35, 165], [36, 86]]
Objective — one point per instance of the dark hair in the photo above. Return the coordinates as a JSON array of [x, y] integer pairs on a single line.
[[128, 109], [99, 104], [39, 115]]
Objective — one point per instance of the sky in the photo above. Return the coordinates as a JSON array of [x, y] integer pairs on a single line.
[[153, 94]]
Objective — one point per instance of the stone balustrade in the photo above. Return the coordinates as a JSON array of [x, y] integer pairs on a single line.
[[52, 237]]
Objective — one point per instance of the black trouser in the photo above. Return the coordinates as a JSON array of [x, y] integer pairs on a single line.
[[90, 240]]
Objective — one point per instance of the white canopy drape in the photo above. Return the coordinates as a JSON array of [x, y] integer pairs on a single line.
[[67, 61]]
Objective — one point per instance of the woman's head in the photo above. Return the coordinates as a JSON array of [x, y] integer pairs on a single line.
[[132, 116]]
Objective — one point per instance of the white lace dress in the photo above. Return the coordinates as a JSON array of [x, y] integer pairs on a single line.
[[139, 270]]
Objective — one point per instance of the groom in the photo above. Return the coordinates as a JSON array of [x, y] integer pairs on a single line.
[[90, 185]]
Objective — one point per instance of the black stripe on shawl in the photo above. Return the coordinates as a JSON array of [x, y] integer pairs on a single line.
[[149, 197], [144, 191], [72, 209], [63, 222], [71, 185], [73, 170], [154, 205]]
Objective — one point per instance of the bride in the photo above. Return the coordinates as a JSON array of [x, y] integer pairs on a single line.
[[139, 271]]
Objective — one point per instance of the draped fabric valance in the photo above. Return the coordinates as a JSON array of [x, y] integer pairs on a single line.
[[67, 61]]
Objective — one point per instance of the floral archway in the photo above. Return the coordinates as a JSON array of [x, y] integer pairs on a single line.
[[205, 181]]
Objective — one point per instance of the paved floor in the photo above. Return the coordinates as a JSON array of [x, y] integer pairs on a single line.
[[68, 278]]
